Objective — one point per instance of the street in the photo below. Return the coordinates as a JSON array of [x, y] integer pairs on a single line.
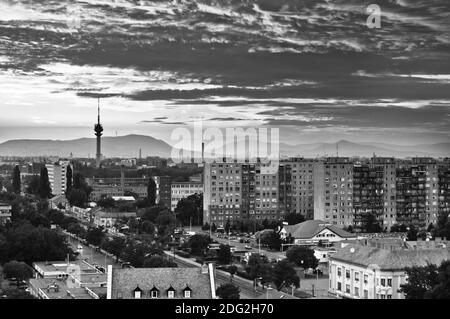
[[91, 255]]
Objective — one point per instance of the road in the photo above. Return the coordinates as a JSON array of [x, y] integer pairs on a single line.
[[255, 249], [91, 255]]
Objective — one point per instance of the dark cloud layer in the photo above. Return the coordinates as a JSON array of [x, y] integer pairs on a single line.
[[308, 63]]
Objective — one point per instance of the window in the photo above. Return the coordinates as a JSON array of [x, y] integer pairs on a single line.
[[383, 282], [366, 294], [171, 292], [137, 293], [356, 291], [356, 276], [347, 274], [347, 289], [154, 292], [366, 279], [339, 271], [339, 286], [389, 282]]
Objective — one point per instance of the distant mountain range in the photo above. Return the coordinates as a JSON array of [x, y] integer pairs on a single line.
[[129, 145], [349, 149], [119, 146]]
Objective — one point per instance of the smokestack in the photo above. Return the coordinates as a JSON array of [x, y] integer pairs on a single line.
[[122, 180], [203, 152]]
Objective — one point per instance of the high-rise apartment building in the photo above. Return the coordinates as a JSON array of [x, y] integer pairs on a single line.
[[368, 194], [333, 191], [240, 191], [57, 176], [302, 186], [389, 166]]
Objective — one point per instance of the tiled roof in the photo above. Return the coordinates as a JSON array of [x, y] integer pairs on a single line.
[[310, 228], [390, 259], [125, 281]]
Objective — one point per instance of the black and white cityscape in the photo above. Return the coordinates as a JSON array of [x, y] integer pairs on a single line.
[[232, 149]]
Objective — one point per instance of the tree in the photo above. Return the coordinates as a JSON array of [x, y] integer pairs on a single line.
[[187, 211], [33, 185], [228, 291], [159, 262], [55, 216], [294, 218], [135, 253], [371, 224], [443, 225], [78, 197], [45, 190], [106, 202], [115, 246], [151, 191], [411, 235], [442, 289], [198, 243], [69, 178], [25, 242], [16, 184], [95, 236], [302, 257], [80, 183], [227, 227], [284, 274], [15, 293], [224, 254], [77, 230], [17, 269], [398, 228], [254, 265], [271, 239], [420, 280]]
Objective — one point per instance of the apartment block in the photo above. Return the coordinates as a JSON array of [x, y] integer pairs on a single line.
[[109, 187], [333, 191], [389, 166], [368, 194], [182, 190], [302, 186], [240, 191], [57, 176]]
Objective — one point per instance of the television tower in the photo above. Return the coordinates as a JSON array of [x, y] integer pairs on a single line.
[[98, 128]]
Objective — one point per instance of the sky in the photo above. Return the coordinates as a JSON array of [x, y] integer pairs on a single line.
[[313, 69]]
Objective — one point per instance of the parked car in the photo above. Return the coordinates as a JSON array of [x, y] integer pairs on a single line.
[[248, 247]]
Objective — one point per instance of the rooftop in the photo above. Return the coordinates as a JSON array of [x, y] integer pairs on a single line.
[[310, 228], [58, 289], [389, 259], [125, 281], [61, 266]]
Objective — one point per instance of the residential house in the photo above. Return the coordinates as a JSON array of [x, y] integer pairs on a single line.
[[161, 283]]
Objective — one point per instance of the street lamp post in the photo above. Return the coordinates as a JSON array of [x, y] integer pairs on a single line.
[[267, 291]]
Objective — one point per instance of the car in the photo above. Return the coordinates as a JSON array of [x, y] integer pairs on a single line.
[[248, 247]]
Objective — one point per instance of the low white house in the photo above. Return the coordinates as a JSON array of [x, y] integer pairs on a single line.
[[313, 232]]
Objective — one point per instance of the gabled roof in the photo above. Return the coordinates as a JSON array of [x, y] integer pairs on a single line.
[[308, 229], [124, 281], [389, 259]]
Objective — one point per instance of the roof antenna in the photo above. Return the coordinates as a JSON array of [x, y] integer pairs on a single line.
[[337, 149]]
